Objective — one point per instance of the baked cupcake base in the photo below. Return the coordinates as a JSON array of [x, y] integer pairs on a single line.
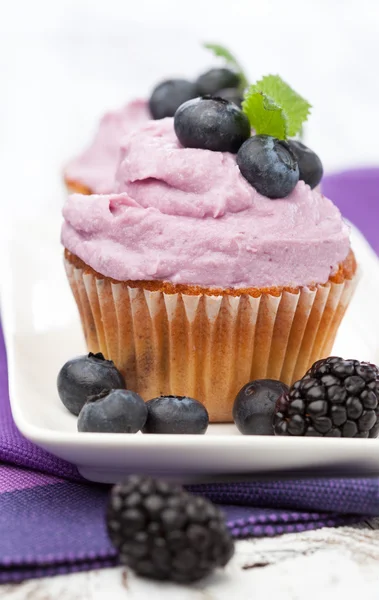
[[207, 343], [75, 187]]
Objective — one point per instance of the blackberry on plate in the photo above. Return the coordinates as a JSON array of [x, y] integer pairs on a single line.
[[163, 532], [336, 398]]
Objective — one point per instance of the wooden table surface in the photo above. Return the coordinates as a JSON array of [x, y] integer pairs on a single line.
[[323, 564]]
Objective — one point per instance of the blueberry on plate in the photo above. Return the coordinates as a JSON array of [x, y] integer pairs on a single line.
[[216, 79], [117, 411], [85, 376], [175, 414], [310, 166], [269, 165], [254, 406], [169, 95], [231, 95], [211, 124]]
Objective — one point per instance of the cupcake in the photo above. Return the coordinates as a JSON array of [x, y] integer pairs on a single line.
[[93, 171], [193, 280]]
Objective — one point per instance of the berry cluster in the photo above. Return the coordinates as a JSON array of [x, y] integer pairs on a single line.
[[161, 531], [168, 95], [93, 388], [272, 166], [336, 398], [211, 114]]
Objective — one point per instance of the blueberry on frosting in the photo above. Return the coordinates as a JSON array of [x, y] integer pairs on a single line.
[[169, 95], [269, 165], [216, 79], [231, 95], [211, 124], [310, 166]]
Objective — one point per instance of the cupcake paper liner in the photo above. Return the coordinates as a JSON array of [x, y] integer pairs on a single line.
[[206, 346]]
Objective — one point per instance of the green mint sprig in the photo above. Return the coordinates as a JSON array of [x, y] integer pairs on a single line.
[[274, 108], [230, 60]]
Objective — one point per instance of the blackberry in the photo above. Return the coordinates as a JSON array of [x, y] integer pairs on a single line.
[[336, 398], [163, 532]]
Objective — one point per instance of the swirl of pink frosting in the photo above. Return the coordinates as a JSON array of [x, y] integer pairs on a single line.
[[188, 216], [96, 166]]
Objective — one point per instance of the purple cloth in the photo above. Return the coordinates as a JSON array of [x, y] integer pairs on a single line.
[[52, 521], [356, 193]]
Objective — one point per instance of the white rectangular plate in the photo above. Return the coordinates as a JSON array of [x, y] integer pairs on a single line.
[[42, 331]]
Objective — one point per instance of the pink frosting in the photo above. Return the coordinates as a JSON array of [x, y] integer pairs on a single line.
[[96, 166], [188, 216]]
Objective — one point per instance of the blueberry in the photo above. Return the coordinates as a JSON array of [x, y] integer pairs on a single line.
[[175, 414], [216, 79], [117, 411], [169, 95], [211, 124], [254, 406], [269, 165], [310, 166], [231, 95], [86, 376]]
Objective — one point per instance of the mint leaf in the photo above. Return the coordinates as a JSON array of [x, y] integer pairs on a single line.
[[230, 59], [274, 108], [264, 115]]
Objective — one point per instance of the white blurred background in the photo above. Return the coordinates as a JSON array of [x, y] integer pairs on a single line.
[[64, 62]]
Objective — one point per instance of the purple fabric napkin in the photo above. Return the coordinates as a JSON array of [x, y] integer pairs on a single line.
[[356, 193], [52, 521]]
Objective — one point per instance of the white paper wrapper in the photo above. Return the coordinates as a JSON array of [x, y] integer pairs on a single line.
[[204, 346]]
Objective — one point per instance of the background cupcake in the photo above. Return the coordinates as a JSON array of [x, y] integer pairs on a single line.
[[93, 171], [192, 281]]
